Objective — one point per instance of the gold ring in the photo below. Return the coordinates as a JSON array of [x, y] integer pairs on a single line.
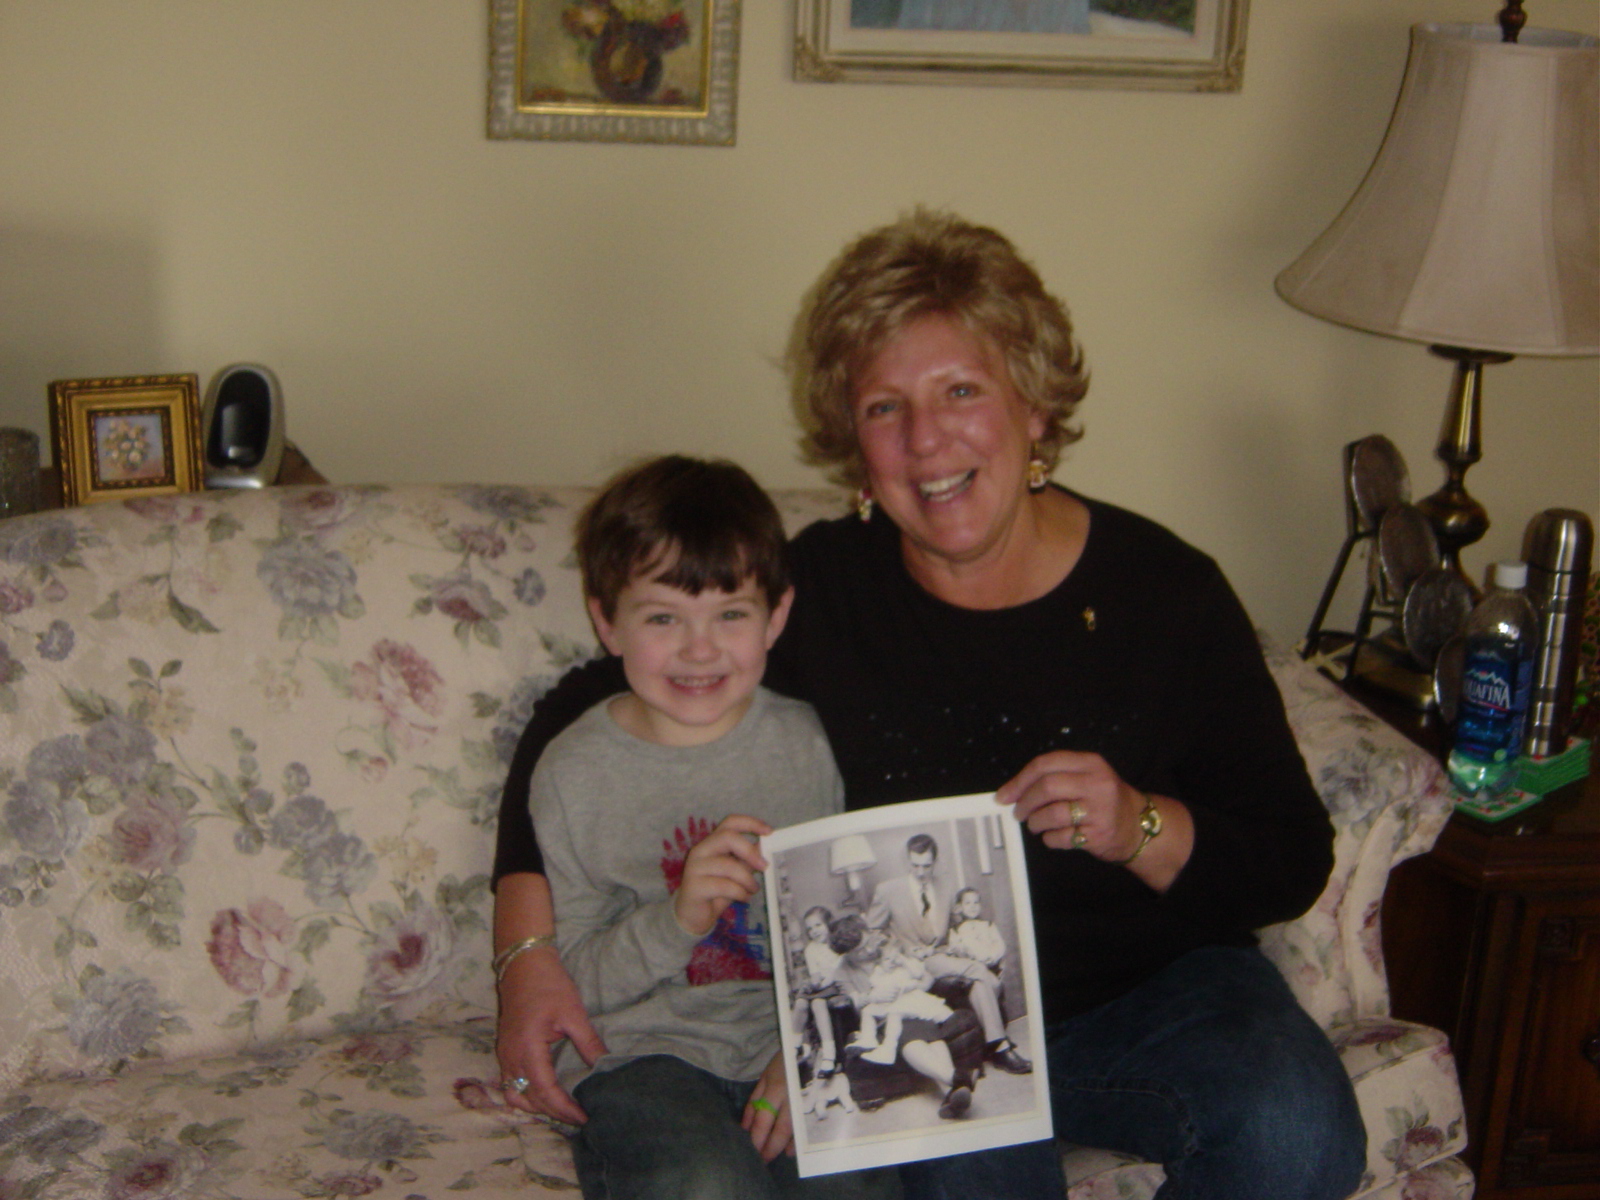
[[1078, 840], [764, 1105], [1075, 811]]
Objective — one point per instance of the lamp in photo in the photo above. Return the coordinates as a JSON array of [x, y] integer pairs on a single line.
[[1475, 229], [849, 856]]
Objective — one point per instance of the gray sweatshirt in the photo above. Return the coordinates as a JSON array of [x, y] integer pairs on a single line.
[[615, 816]]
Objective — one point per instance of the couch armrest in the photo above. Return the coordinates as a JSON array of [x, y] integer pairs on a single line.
[[1388, 801]]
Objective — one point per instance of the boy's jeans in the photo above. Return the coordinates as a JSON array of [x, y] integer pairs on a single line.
[[660, 1129]]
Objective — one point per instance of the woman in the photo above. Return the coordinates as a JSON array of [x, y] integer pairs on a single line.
[[982, 629]]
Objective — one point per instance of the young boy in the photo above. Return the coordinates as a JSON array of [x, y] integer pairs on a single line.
[[658, 910]]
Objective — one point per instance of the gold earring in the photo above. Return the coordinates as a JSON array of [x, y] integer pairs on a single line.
[[864, 504], [1038, 474]]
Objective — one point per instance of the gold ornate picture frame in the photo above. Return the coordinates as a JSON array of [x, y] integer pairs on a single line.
[[114, 439], [1180, 45], [614, 70]]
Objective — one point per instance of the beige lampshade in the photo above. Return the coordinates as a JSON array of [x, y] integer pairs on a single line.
[[850, 855], [1477, 225]]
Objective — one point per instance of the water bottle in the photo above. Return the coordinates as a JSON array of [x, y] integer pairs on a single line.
[[1502, 639]]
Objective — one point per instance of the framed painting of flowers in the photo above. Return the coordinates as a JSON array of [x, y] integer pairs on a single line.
[[614, 70], [119, 438]]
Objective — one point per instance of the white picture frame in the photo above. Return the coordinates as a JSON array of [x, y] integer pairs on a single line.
[[979, 845]]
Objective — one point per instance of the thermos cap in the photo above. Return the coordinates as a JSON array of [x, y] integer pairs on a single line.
[[1559, 539]]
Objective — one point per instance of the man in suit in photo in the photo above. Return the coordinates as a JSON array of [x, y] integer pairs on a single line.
[[914, 910]]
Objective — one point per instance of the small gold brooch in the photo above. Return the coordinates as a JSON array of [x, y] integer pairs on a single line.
[[1088, 619]]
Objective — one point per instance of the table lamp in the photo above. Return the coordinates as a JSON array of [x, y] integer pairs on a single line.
[[849, 856], [1475, 229]]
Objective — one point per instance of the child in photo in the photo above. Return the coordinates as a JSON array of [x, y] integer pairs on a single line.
[[821, 959], [922, 1041], [818, 988], [897, 988], [648, 807], [971, 936], [828, 1084]]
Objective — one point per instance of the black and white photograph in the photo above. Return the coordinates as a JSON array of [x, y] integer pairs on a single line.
[[905, 968]]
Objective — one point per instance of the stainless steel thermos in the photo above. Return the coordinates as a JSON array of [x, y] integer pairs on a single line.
[[1556, 546]]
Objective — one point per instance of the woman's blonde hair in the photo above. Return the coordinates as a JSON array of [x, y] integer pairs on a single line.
[[927, 264]]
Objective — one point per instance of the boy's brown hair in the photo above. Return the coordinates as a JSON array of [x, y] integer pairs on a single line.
[[707, 520]]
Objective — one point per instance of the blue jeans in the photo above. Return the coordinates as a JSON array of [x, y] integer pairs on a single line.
[[1210, 1068], [660, 1129]]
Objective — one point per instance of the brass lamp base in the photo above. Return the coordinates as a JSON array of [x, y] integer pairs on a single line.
[[1458, 520]]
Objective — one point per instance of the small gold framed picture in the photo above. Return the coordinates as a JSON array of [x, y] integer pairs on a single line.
[[614, 70], [119, 438]]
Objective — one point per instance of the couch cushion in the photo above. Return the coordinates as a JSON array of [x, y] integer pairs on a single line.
[[1097, 1175], [1405, 1080], [1448, 1179], [254, 743], [396, 1111]]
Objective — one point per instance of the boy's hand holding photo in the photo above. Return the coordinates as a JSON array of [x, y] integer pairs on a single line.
[[766, 1114], [719, 870]]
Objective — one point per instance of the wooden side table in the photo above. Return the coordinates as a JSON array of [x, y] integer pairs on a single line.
[[1494, 937]]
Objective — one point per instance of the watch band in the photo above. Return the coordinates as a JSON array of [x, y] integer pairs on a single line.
[[1149, 823]]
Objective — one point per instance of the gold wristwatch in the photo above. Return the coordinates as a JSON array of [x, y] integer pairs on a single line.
[[1149, 823]]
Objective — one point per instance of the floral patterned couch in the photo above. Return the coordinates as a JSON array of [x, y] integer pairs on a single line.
[[251, 753]]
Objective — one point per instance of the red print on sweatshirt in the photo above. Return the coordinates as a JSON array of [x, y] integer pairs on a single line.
[[736, 947]]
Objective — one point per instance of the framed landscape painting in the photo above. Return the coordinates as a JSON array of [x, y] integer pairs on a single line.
[[614, 70], [1192, 45]]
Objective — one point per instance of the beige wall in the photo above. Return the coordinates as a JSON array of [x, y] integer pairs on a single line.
[[304, 183]]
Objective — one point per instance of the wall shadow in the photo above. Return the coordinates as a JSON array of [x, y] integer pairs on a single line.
[[72, 307]]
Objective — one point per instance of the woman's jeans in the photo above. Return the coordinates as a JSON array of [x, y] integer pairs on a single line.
[[660, 1129], [1210, 1068]]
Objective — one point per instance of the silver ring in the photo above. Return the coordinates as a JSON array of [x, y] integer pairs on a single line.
[[1075, 811], [1078, 840], [519, 1084]]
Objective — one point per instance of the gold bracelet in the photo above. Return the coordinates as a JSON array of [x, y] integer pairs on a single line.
[[1149, 824], [504, 959]]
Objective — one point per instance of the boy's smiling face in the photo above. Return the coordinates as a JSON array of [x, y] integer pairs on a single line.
[[692, 662]]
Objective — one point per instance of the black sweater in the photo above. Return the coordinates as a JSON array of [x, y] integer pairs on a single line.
[[1142, 654]]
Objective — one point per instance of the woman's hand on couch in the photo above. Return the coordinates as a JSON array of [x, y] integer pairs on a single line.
[[539, 1004]]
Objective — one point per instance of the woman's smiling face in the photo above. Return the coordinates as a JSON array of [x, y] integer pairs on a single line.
[[945, 438]]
